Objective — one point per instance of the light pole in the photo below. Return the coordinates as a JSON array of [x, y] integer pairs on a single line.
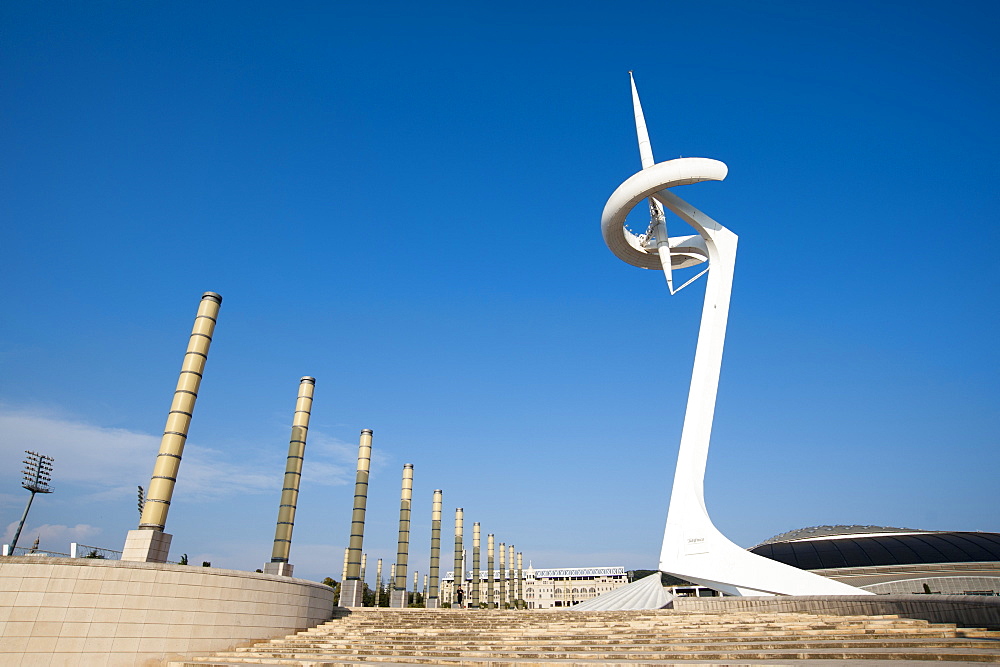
[[693, 548], [37, 475]]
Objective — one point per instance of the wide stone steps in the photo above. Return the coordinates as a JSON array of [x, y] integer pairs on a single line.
[[635, 638]]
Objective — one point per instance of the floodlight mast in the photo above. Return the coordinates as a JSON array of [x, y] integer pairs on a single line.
[[693, 548], [37, 476]]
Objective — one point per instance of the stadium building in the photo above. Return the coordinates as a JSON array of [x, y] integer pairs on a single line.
[[881, 559]]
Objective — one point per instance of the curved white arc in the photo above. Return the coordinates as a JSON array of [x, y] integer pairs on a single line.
[[682, 171]]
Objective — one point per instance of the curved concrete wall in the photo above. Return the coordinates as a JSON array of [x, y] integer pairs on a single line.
[[63, 611]]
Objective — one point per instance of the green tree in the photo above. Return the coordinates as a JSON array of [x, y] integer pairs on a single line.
[[335, 585]]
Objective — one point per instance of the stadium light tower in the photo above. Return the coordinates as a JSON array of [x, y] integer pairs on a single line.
[[37, 476], [693, 548]]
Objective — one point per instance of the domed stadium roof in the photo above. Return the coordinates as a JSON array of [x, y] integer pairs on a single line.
[[849, 546], [826, 531]]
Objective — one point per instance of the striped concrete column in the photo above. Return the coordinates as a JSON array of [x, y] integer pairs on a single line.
[[520, 581], [343, 577], [459, 566], [378, 583], [392, 579], [293, 475], [491, 572], [364, 566], [511, 592], [425, 590], [502, 586], [149, 543], [398, 596], [353, 588], [474, 595], [433, 602]]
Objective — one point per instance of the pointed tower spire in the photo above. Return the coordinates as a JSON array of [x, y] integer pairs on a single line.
[[657, 220], [645, 149]]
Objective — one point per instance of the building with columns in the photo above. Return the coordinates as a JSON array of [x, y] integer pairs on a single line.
[[547, 588]]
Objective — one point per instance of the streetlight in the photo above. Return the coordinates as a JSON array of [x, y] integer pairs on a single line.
[[37, 476]]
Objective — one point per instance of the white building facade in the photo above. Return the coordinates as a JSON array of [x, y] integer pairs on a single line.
[[542, 588]]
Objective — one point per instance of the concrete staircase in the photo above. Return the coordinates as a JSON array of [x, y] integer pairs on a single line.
[[649, 637]]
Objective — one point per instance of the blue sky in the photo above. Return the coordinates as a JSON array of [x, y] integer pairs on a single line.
[[404, 201]]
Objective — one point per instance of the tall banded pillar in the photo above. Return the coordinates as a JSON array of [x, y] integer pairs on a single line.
[[520, 581], [389, 583], [511, 592], [149, 543], [364, 566], [459, 566], [503, 579], [398, 597], [474, 596], [353, 588], [293, 475], [432, 601], [378, 583], [490, 572], [343, 577]]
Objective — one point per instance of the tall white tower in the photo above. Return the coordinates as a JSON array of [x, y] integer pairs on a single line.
[[693, 548]]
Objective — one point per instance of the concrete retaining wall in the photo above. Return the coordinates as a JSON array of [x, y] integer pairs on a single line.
[[62, 611], [967, 611]]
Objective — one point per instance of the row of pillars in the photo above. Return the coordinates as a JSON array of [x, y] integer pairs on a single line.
[[353, 575], [149, 543]]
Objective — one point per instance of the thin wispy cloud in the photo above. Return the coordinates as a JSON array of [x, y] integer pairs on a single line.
[[50, 534], [98, 458]]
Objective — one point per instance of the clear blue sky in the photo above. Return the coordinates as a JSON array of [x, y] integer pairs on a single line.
[[404, 202]]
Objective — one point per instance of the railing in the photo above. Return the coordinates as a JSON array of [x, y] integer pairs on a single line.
[[76, 550], [31, 551], [87, 551]]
